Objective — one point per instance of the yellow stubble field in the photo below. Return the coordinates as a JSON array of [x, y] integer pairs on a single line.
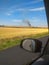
[[9, 32]]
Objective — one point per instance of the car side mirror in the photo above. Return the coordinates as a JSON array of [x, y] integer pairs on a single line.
[[32, 45]]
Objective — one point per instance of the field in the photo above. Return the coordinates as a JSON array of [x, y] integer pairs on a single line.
[[19, 32], [10, 36]]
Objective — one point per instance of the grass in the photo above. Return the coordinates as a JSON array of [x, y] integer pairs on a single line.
[[6, 32], [10, 36], [10, 42], [6, 43]]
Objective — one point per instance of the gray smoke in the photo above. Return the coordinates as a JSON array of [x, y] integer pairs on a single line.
[[27, 22]]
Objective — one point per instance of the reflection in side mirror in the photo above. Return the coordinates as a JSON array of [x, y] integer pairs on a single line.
[[32, 45]]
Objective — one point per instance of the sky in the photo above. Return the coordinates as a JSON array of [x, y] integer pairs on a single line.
[[15, 12]]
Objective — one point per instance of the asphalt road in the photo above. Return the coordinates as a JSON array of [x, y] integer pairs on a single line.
[[19, 56]]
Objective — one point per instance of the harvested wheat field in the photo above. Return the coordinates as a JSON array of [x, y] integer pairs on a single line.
[[8, 32]]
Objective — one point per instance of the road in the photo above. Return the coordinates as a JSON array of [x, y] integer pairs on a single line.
[[18, 56]]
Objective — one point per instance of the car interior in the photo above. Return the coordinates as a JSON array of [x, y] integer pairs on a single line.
[[44, 59], [30, 51], [42, 48]]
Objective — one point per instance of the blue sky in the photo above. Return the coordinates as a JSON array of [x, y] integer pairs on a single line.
[[14, 12]]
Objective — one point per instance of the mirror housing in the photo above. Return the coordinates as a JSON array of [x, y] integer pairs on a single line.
[[32, 45]]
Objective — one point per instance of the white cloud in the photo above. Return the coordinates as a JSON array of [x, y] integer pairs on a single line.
[[13, 8], [27, 3], [33, 2], [33, 9], [8, 14], [25, 10], [37, 9], [16, 20], [20, 9]]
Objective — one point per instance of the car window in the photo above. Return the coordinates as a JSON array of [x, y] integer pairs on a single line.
[[21, 19]]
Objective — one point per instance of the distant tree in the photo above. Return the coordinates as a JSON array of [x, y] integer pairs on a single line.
[[1, 25]]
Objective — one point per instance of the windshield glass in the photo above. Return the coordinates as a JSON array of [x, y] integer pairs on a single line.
[[21, 19]]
